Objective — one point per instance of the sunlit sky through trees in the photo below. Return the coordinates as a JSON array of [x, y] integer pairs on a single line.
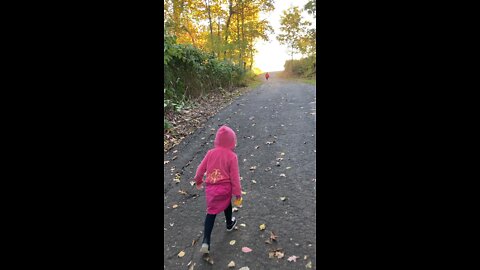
[[271, 56]]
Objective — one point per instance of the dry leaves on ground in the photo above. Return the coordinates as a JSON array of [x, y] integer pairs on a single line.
[[262, 227], [181, 254], [246, 249], [208, 259], [293, 258], [273, 237], [279, 253], [186, 122]]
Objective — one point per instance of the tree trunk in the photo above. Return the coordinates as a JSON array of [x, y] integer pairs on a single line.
[[242, 49], [210, 23], [219, 38], [238, 36], [230, 13], [190, 34]]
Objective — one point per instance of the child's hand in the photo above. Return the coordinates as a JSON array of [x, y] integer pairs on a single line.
[[238, 201], [199, 186]]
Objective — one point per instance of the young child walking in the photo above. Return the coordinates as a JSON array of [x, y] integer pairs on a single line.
[[222, 182]]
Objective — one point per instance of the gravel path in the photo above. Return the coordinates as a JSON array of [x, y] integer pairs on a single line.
[[274, 123]]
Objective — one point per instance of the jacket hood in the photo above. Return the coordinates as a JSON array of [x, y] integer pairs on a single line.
[[225, 138]]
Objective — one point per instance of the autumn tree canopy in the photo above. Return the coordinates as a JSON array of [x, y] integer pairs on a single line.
[[228, 29]]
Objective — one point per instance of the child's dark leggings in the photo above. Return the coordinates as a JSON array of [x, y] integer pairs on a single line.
[[210, 220]]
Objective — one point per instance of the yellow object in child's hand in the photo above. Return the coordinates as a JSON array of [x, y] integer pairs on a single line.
[[238, 201]]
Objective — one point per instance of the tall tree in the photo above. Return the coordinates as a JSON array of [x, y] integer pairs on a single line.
[[292, 29]]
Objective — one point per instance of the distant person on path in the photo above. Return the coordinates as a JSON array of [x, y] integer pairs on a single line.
[[267, 76], [222, 182]]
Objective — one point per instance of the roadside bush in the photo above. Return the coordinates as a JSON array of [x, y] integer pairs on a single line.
[[305, 67], [190, 72]]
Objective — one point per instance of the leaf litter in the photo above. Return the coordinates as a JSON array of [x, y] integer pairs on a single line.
[[279, 253], [293, 258], [246, 249]]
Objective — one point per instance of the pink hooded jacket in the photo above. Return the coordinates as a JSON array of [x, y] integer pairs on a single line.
[[221, 166]]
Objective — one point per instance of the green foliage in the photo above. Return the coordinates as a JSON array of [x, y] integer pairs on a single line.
[[311, 7], [305, 67], [166, 124], [292, 29], [191, 72]]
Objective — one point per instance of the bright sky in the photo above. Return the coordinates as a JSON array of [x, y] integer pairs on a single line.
[[271, 55]]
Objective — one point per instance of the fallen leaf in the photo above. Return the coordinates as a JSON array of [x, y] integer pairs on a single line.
[[192, 183], [256, 147], [305, 257], [283, 198], [243, 225], [181, 254], [253, 181], [166, 162], [208, 259], [268, 143], [193, 242], [288, 168], [244, 193], [273, 237], [253, 167], [268, 241], [235, 209], [182, 192], [279, 159], [262, 227], [268, 169], [244, 159], [282, 154], [232, 242], [231, 264], [174, 206], [282, 175], [293, 258], [309, 265], [175, 157], [279, 253], [244, 268], [246, 249]]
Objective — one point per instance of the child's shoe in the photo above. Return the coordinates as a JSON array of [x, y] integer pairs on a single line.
[[205, 249], [234, 222]]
